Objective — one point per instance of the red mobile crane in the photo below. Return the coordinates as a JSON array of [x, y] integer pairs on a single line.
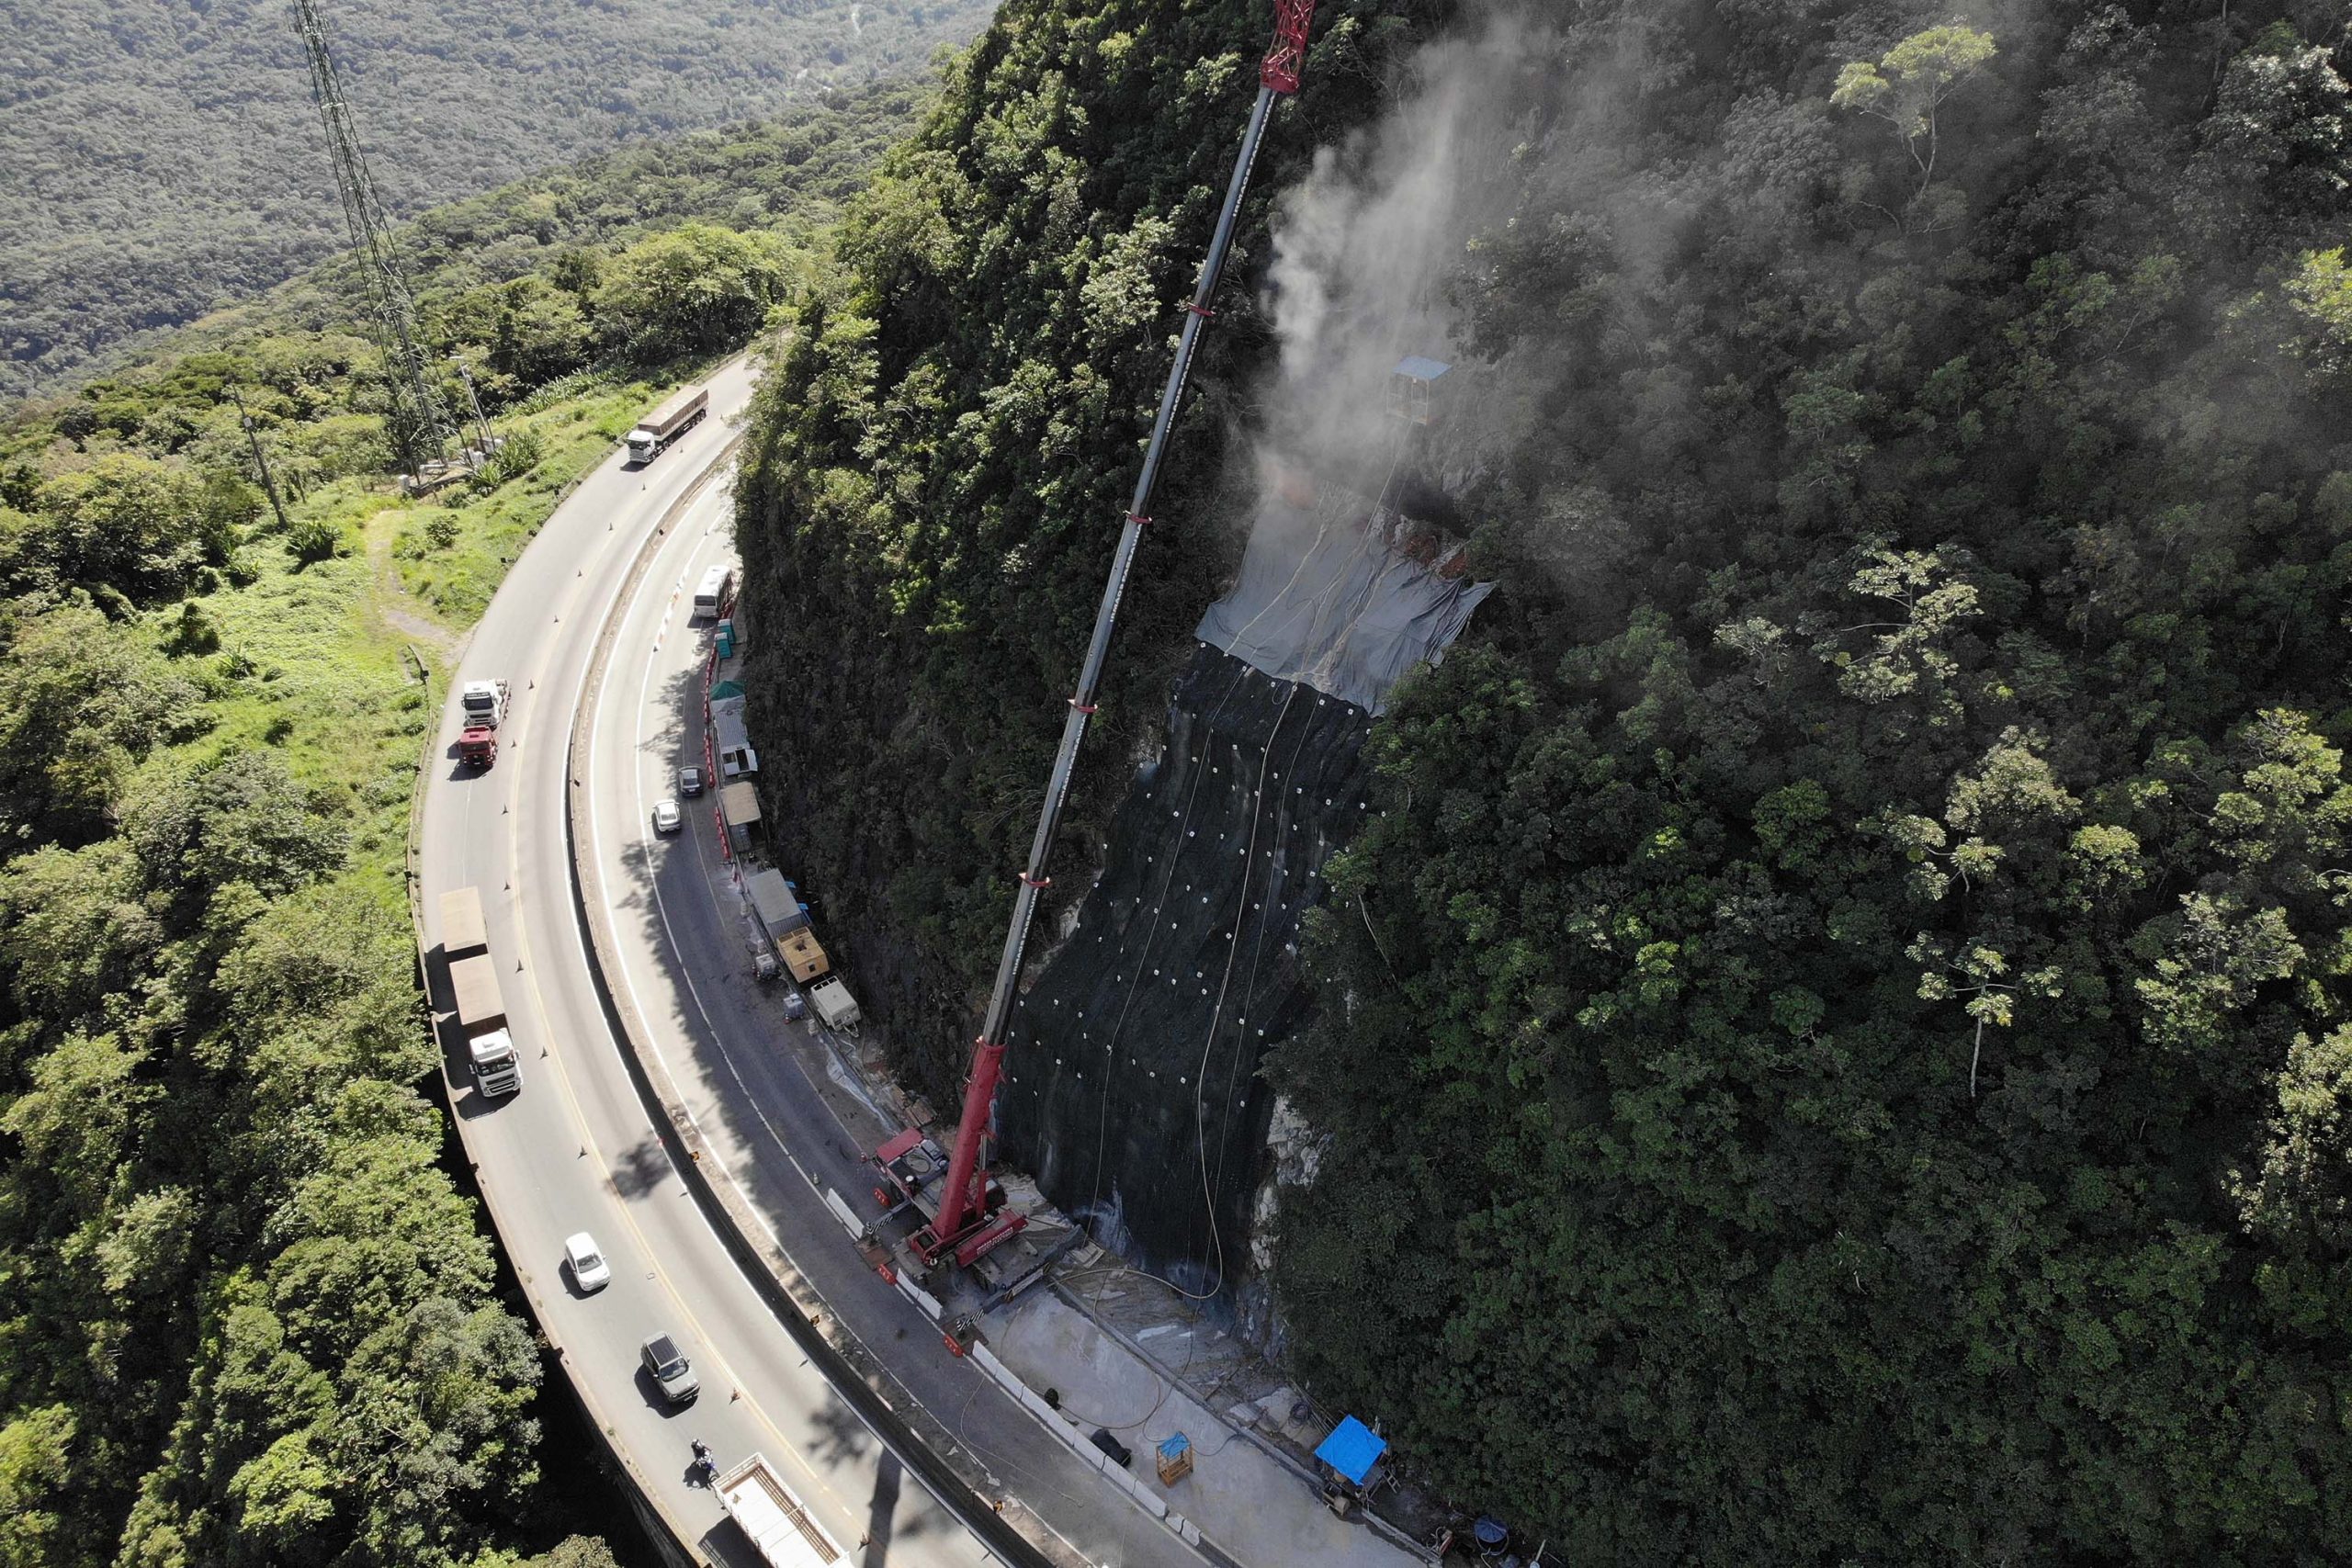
[[971, 1217]]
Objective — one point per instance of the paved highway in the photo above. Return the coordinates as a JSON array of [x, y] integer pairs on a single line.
[[574, 1150], [682, 960]]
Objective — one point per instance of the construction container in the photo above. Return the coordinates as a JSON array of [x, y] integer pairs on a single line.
[[835, 1005]]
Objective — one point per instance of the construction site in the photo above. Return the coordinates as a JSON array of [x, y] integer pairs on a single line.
[[1115, 1141], [1086, 1225]]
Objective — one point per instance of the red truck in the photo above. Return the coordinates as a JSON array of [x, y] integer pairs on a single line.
[[478, 746]]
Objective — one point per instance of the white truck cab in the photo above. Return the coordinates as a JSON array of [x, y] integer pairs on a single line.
[[497, 1068], [483, 702]]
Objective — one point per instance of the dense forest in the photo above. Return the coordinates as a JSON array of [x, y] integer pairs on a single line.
[[1833, 1047], [164, 160], [250, 1316]]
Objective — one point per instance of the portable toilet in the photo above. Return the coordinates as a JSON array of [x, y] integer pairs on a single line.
[[1412, 389], [726, 639]]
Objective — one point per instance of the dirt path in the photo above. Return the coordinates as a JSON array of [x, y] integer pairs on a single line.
[[400, 611]]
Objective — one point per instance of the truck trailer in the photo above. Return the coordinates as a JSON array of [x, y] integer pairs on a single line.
[[473, 983], [773, 1519], [680, 412], [786, 923]]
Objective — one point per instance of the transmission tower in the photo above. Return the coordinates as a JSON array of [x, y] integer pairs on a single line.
[[421, 429]]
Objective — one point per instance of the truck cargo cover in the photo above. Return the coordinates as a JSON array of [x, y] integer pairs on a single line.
[[462, 930], [739, 803], [773, 900], [474, 982]]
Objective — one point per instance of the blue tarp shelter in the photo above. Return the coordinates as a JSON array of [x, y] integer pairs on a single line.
[[1353, 1449]]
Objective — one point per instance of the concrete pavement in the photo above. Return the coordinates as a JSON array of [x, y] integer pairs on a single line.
[[712, 1032], [574, 1149]]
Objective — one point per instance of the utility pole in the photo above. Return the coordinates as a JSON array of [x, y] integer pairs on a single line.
[[474, 397], [421, 429], [253, 439]]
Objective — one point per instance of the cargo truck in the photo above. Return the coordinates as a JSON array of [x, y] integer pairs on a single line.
[[785, 920], [474, 982], [679, 414], [483, 704], [477, 747], [773, 1519]]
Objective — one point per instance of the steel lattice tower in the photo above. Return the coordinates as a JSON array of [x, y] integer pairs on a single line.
[[421, 429]]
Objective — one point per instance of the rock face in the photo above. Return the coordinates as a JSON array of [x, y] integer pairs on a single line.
[[1133, 1092]]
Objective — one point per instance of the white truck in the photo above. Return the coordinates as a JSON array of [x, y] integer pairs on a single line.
[[474, 982], [773, 1519], [679, 413], [710, 594], [484, 703]]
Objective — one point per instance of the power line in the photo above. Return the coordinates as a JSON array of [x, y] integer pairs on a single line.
[[419, 429]]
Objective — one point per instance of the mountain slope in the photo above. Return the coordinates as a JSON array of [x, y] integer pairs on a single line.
[[1833, 1047], [162, 159], [252, 1315]]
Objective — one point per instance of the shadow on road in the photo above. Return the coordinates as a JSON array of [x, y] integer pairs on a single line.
[[657, 1401], [641, 1168], [840, 1436], [884, 1503]]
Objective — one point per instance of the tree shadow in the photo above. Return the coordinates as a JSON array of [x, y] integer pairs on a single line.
[[640, 1168], [879, 1509]]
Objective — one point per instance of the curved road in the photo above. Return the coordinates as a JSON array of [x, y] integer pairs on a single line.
[[575, 1151]]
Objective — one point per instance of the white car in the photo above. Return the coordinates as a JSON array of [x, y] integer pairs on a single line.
[[667, 817], [589, 1269]]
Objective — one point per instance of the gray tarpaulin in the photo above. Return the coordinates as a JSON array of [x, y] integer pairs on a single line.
[[1321, 599]]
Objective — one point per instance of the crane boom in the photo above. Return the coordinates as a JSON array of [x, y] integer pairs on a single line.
[[963, 1223]]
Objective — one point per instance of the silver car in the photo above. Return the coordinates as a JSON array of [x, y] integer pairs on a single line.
[[667, 817], [668, 1367]]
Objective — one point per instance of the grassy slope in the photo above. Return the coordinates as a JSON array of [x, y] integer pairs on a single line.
[[161, 158], [327, 639]]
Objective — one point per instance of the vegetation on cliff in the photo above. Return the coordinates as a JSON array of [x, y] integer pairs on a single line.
[[938, 468], [1836, 1050]]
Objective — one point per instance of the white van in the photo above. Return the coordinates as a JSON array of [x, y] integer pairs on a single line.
[[713, 592]]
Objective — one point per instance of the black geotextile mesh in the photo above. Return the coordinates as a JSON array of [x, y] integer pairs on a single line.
[[1131, 1089]]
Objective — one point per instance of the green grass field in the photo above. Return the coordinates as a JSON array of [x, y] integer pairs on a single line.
[[320, 661]]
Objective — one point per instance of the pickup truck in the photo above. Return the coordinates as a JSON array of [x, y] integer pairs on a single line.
[[773, 1519]]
